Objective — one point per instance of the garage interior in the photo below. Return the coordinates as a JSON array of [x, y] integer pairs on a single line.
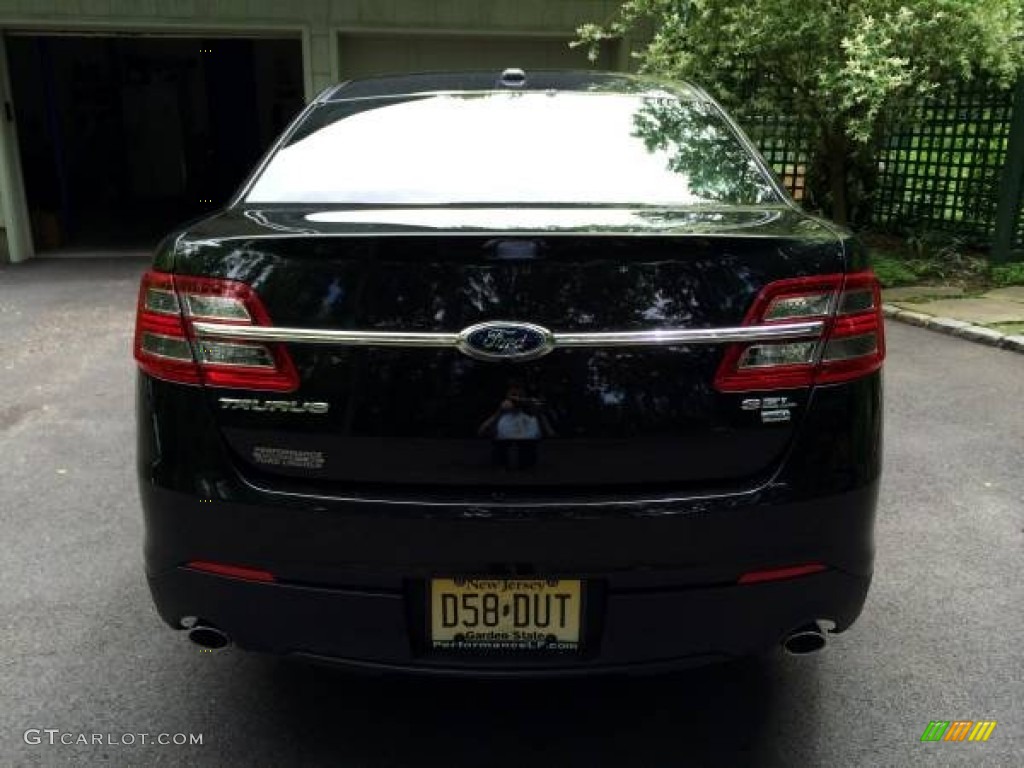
[[123, 137]]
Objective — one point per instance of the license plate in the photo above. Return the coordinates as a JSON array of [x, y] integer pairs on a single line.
[[505, 614]]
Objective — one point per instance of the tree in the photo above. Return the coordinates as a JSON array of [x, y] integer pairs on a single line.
[[844, 68]]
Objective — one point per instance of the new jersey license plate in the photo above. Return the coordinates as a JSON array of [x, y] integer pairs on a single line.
[[481, 614]]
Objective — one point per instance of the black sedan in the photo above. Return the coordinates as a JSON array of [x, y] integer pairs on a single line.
[[510, 373]]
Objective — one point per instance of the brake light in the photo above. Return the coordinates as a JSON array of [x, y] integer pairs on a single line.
[[852, 344], [166, 348]]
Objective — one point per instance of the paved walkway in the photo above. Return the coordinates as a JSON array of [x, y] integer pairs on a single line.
[[995, 317]]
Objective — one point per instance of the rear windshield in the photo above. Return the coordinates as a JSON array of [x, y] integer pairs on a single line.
[[514, 148]]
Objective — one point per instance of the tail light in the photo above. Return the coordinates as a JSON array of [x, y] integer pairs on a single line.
[[166, 348], [851, 346]]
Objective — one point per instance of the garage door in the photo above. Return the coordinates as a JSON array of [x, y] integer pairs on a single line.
[[362, 55]]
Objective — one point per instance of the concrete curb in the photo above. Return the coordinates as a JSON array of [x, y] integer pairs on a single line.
[[958, 328]]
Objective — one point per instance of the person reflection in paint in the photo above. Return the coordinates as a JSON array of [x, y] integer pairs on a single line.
[[516, 429]]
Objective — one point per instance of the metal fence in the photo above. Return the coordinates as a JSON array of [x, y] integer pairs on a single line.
[[957, 167]]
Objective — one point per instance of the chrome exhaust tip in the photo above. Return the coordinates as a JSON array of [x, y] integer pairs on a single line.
[[208, 637], [810, 638]]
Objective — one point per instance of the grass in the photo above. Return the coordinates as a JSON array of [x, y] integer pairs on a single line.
[[893, 272], [1008, 274], [971, 273], [899, 262], [1011, 329]]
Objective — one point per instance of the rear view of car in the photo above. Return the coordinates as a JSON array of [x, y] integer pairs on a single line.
[[510, 373]]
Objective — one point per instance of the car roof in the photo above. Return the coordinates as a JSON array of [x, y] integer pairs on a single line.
[[511, 79]]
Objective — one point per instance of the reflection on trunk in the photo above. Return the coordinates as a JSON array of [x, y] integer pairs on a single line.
[[575, 418]]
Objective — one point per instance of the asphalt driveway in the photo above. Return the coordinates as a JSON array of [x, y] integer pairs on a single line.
[[82, 651]]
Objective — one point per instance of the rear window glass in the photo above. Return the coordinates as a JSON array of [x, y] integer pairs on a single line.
[[514, 148]]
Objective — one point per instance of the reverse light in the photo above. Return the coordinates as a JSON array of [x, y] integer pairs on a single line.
[[770, 355], [852, 344], [229, 353], [206, 307], [800, 306], [166, 348]]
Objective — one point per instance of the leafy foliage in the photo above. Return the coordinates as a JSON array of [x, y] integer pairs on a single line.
[[701, 150], [892, 271], [928, 257], [1008, 274], [844, 67]]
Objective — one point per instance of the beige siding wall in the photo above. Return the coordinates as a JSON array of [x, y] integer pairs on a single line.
[[319, 21]]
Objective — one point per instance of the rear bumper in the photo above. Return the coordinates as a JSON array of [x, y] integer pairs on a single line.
[[385, 630], [662, 590]]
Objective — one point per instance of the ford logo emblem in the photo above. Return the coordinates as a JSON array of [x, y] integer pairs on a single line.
[[501, 340]]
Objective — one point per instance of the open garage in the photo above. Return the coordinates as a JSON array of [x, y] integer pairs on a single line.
[[122, 137]]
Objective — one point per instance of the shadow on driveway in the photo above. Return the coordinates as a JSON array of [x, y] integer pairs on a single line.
[[715, 715]]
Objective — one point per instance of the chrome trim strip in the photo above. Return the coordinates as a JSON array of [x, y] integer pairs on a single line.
[[481, 508], [669, 337], [676, 336], [319, 336]]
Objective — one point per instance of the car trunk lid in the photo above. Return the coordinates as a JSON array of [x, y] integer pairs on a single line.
[[372, 415]]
